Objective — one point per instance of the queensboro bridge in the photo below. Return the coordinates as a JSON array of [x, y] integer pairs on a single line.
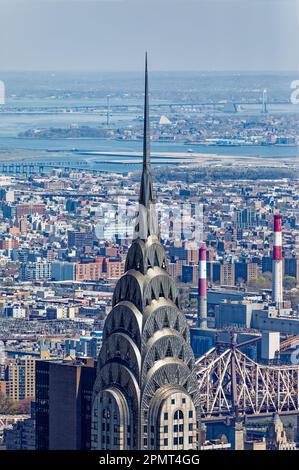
[[146, 393]]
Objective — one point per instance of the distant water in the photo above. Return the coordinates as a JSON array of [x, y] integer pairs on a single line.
[[75, 150], [106, 145], [33, 98]]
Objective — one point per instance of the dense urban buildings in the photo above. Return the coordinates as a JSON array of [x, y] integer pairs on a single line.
[[218, 262]]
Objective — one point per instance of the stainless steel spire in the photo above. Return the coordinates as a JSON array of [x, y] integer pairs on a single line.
[[146, 189]]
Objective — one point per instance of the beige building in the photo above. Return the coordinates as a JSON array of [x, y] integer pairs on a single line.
[[227, 274], [255, 445], [20, 378], [114, 269], [89, 271], [252, 271]]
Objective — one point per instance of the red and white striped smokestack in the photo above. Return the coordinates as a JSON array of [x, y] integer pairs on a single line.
[[277, 292], [202, 287]]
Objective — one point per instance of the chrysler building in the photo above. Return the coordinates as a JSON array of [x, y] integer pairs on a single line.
[[146, 393]]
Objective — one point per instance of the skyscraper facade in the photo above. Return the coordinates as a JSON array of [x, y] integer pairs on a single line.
[[145, 395], [63, 404]]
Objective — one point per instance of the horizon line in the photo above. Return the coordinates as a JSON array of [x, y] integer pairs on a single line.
[[232, 71]]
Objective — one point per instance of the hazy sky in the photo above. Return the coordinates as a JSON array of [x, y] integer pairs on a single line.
[[179, 34]]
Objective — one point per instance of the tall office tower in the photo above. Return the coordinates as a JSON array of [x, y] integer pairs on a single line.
[[202, 287], [146, 392], [63, 404], [277, 292], [246, 217]]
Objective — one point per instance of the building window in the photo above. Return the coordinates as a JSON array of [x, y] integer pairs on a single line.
[[190, 427], [179, 415], [181, 440], [175, 441], [190, 440], [166, 442], [165, 416], [190, 414], [165, 428]]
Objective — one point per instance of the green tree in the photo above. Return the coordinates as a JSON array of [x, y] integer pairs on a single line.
[[289, 282], [260, 283]]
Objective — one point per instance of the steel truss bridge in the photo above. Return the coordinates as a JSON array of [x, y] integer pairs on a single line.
[[33, 168], [231, 385]]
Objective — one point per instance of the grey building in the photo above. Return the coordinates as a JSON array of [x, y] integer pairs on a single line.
[[35, 271], [257, 315], [146, 393], [270, 318], [63, 271], [21, 436], [237, 314], [246, 217], [79, 239]]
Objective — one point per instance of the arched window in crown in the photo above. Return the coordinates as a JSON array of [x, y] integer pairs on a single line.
[[177, 428], [110, 422]]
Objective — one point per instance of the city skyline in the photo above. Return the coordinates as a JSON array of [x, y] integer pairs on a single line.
[[149, 234]]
